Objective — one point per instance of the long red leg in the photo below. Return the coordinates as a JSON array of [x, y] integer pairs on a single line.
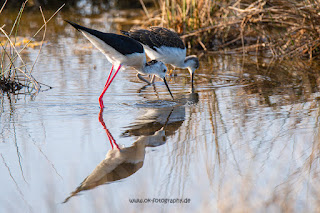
[[102, 94], [109, 75], [107, 85], [113, 77], [111, 139]]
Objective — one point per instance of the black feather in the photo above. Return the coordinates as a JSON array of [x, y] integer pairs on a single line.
[[123, 44], [156, 37]]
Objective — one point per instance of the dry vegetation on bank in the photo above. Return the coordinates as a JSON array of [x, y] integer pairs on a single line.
[[285, 28], [15, 73]]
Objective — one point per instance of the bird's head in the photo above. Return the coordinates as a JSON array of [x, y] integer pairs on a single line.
[[159, 69], [192, 63]]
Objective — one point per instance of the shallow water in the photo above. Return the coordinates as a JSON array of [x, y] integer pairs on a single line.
[[247, 138]]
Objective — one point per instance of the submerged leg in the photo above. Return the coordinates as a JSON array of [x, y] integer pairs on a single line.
[[142, 78], [152, 79], [107, 85], [170, 72]]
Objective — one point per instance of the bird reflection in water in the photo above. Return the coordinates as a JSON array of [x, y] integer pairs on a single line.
[[154, 118], [119, 163], [151, 129]]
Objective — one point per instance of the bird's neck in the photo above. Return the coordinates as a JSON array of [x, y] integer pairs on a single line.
[[186, 63], [144, 68]]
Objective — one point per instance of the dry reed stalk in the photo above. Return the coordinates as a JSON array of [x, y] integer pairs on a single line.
[[15, 56]]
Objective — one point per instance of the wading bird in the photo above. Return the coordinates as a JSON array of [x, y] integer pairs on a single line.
[[165, 45], [123, 51]]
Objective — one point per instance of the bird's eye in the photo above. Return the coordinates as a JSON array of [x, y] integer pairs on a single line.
[[164, 70]]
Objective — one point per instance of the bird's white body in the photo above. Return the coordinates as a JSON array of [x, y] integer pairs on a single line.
[[168, 55], [165, 45], [135, 60]]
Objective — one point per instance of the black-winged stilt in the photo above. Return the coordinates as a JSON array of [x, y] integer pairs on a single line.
[[165, 45], [122, 51]]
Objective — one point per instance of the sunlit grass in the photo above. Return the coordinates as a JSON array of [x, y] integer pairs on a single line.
[[285, 29]]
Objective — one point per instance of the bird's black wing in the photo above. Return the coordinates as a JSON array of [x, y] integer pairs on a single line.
[[141, 35], [122, 44], [156, 37]]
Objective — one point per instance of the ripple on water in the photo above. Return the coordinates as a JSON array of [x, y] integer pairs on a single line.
[[155, 104]]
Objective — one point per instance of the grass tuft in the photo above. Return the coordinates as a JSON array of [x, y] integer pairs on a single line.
[[15, 73]]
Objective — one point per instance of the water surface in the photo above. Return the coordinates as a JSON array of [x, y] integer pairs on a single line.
[[246, 139]]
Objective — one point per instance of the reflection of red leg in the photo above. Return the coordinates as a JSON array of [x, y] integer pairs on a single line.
[[111, 139], [108, 84], [104, 90]]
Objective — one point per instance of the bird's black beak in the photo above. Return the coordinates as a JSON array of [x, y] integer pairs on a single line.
[[165, 82], [192, 77]]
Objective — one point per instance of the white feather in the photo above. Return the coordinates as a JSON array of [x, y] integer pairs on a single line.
[[168, 55]]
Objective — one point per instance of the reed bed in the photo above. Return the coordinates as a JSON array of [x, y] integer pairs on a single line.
[[285, 28], [15, 73]]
